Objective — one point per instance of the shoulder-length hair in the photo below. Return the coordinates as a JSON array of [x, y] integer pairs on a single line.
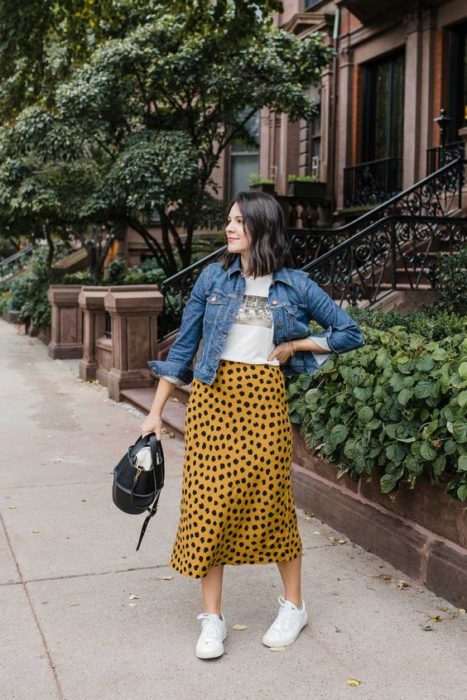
[[263, 220]]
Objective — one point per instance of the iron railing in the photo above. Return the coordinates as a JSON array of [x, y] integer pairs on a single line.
[[441, 155], [372, 182], [14, 263], [371, 263]]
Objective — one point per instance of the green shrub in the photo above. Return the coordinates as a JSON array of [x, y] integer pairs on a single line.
[[116, 272], [395, 407], [81, 277], [36, 307], [4, 297], [451, 282], [18, 293], [432, 323]]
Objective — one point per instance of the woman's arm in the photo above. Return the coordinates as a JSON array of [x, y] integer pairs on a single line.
[[183, 349], [153, 421]]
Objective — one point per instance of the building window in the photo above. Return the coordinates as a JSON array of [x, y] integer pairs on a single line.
[[457, 109], [310, 139], [383, 122], [244, 159]]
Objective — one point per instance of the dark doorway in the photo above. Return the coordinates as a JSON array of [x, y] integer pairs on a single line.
[[457, 91], [383, 122]]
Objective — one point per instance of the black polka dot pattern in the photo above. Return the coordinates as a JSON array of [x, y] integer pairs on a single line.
[[237, 503]]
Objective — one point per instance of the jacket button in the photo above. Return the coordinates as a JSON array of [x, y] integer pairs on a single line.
[[274, 302], [279, 325], [213, 298]]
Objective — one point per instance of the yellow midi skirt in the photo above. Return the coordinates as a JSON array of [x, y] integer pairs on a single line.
[[237, 504]]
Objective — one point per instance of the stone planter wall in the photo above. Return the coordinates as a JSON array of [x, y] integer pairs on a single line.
[[134, 335], [118, 362], [422, 532], [66, 341]]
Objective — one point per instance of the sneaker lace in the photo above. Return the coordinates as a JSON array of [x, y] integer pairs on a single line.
[[283, 615], [210, 627]]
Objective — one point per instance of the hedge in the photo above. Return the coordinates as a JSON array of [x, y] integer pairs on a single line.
[[395, 407]]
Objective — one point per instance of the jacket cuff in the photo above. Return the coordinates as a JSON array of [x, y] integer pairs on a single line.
[[171, 369], [321, 341], [174, 380]]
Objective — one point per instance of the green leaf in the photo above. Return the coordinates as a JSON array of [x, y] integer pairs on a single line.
[[339, 433], [425, 363], [462, 463], [439, 354], [422, 390], [427, 451], [395, 452], [365, 414], [362, 393], [404, 397], [387, 482]]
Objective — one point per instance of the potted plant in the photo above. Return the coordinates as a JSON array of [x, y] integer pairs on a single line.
[[306, 186], [261, 184]]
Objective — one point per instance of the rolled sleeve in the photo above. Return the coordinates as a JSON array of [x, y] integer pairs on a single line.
[[174, 380], [321, 357]]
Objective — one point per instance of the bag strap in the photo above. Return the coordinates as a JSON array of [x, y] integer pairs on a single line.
[[152, 512], [157, 460]]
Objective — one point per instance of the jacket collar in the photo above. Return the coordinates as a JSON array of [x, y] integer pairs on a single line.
[[280, 274]]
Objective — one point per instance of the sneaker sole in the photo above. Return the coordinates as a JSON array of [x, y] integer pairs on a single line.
[[286, 644], [208, 655]]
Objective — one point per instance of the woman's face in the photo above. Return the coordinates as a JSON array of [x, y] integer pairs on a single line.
[[238, 241]]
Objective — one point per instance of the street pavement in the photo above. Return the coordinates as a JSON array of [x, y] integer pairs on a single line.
[[86, 617]]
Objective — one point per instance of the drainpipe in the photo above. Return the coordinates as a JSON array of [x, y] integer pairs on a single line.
[[333, 112]]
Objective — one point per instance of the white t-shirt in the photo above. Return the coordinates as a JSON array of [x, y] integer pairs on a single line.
[[251, 336]]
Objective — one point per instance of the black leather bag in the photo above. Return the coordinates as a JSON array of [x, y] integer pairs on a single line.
[[135, 489]]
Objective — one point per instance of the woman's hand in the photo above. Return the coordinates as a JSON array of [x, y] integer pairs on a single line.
[[152, 424], [282, 352]]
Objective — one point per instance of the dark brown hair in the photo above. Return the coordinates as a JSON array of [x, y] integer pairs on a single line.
[[263, 220]]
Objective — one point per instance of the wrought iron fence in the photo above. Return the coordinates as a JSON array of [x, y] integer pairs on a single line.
[[441, 155], [372, 260]]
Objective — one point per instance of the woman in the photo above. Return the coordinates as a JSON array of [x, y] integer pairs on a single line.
[[252, 315]]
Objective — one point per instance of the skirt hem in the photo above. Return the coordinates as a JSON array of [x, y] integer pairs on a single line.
[[233, 563]]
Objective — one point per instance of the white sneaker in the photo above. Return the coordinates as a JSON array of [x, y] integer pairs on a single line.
[[287, 625], [213, 632]]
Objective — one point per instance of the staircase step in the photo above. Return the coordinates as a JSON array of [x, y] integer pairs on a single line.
[[405, 285]]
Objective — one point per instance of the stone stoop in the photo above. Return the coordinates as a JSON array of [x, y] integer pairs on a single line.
[[424, 533]]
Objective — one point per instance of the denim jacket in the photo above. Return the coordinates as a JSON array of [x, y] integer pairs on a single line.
[[294, 299]]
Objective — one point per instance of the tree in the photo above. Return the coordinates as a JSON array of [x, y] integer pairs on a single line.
[[151, 110]]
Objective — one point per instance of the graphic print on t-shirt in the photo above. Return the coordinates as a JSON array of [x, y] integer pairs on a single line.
[[254, 311], [251, 337]]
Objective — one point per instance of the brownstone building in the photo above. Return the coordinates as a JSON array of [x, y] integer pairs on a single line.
[[397, 64]]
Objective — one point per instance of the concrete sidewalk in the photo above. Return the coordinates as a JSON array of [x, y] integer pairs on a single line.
[[71, 629]]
